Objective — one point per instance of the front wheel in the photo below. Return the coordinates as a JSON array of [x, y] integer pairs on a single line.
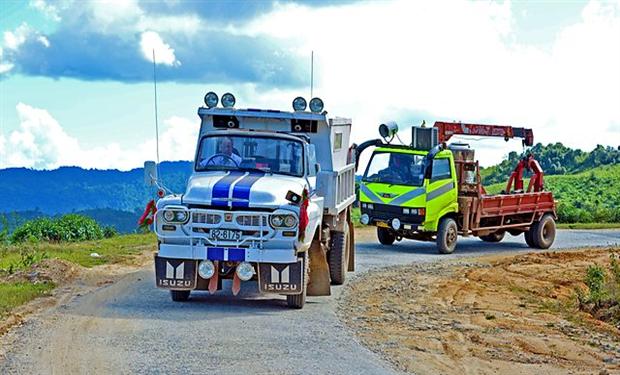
[[386, 237], [180, 295], [297, 301], [446, 235]]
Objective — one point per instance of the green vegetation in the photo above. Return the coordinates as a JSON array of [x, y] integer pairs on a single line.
[[602, 299], [588, 225], [117, 249], [68, 228], [586, 197], [73, 238], [555, 159], [16, 294]]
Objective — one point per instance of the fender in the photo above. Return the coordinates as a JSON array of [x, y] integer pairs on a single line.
[[432, 226], [315, 216]]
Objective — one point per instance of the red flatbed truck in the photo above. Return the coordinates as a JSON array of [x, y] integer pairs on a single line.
[[453, 202]]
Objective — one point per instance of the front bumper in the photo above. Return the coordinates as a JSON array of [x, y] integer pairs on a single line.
[[224, 253], [383, 214]]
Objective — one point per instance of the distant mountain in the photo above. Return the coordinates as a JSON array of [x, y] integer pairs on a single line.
[[70, 189]]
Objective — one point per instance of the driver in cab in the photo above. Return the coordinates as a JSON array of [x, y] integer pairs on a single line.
[[225, 157]]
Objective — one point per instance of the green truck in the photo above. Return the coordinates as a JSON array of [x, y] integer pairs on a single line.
[[431, 191]]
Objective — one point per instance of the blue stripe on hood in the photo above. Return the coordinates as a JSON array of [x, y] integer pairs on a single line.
[[243, 187], [219, 195]]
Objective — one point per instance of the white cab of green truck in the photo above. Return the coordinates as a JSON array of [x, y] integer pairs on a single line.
[[269, 201]]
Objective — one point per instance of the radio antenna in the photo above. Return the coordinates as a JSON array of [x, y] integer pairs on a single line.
[[156, 120], [311, 74]]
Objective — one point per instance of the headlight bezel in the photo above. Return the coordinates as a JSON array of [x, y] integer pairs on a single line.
[[283, 221], [180, 215]]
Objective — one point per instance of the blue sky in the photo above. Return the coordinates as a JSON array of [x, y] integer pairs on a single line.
[[76, 89]]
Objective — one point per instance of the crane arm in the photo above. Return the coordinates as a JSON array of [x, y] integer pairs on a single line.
[[448, 129]]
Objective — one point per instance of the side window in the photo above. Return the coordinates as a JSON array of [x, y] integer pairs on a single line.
[[441, 169], [337, 141], [311, 161]]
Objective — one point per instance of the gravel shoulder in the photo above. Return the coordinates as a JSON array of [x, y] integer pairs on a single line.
[[484, 315]]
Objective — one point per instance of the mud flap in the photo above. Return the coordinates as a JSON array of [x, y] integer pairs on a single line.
[[281, 278], [177, 274], [319, 282]]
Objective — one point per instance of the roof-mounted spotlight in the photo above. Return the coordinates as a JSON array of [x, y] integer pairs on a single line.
[[316, 105], [211, 99], [388, 130], [299, 104], [228, 100]]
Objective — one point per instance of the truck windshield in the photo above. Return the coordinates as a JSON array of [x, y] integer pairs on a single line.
[[238, 152], [395, 168]]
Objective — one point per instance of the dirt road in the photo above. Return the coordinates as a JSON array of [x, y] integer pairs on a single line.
[[132, 327]]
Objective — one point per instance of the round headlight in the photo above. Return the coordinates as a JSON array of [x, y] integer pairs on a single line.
[[211, 99], [206, 269], [181, 216], [290, 221], [316, 105], [169, 215], [299, 104], [364, 219], [228, 100], [245, 271], [277, 221], [396, 224]]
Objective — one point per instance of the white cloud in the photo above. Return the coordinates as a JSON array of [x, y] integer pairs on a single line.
[[40, 142], [150, 41], [49, 10], [375, 61], [14, 39], [4, 66]]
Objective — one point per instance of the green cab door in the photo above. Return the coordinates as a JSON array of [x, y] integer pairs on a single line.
[[441, 192]]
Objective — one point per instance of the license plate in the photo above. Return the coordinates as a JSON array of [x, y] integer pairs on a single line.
[[281, 278], [225, 234], [176, 274], [382, 224]]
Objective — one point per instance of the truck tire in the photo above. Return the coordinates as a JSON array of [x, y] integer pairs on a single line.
[[386, 237], [528, 237], [338, 256], [180, 295], [493, 237], [447, 235], [543, 232], [297, 301]]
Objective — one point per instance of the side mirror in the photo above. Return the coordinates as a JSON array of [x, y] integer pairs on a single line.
[[150, 173]]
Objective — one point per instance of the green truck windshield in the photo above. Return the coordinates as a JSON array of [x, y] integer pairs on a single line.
[[395, 168]]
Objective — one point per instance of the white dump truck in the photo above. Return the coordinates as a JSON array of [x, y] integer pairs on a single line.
[[269, 200]]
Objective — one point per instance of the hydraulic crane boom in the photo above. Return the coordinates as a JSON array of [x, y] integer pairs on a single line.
[[448, 129]]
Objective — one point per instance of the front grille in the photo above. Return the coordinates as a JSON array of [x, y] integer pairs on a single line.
[[204, 218], [251, 220]]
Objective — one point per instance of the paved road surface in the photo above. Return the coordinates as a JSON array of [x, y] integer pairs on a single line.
[[132, 327]]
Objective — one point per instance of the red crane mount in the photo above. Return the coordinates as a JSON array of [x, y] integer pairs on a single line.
[[446, 130]]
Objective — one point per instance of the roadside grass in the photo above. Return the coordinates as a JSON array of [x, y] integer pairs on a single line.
[[16, 294], [588, 225], [20, 257], [119, 249]]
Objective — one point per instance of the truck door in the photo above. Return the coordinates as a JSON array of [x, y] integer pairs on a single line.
[[440, 190]]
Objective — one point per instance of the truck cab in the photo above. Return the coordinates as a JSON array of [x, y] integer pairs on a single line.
[[431, 191], [265, 186]]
